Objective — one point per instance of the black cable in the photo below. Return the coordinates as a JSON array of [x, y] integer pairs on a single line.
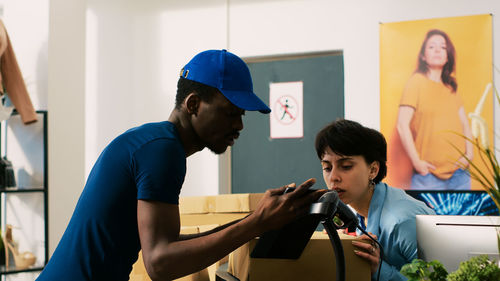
[[379, 246], [337, 247]]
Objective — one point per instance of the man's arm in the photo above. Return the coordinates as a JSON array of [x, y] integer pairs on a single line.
[[167, 257], [216, 229]]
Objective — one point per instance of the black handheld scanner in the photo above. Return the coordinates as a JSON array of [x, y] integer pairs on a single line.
[[330, 206]]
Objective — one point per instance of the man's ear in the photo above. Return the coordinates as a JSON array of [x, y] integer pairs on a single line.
[[192, 103]]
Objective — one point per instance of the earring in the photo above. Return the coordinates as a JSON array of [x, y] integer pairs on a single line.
[[371, 183]]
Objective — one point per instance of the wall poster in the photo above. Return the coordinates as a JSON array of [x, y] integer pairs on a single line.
[[433, 74]]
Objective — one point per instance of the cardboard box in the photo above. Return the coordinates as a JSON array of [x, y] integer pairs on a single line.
[[220, 209], [200, 214], [139, 271], [317, 263], [225, 203]]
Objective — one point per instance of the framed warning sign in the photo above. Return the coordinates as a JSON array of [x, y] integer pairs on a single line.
[[286, 119]]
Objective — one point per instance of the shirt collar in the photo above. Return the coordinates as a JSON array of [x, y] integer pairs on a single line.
[[375, 209]]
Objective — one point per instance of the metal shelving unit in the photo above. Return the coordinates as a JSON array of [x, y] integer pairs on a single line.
[[20, 190]]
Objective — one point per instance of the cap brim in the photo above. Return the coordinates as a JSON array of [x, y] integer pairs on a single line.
[[246, 100]]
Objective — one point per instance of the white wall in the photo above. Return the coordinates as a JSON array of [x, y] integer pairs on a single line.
[[135, 49], [66, 106]]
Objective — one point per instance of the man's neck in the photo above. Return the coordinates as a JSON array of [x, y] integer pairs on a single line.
[[189, 139]]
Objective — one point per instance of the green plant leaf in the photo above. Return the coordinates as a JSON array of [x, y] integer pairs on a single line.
[[475, 169], [479, 268], [419, 270], [490, 161]]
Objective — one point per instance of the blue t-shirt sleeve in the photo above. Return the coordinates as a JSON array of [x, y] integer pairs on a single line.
[[159, 168]]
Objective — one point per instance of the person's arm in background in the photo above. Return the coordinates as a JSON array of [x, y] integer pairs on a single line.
[[469, 149], [167, 257], [405, 115]]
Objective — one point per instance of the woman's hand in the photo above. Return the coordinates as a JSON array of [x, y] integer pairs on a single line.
[[462, 163], [368, 251], [423, 167]]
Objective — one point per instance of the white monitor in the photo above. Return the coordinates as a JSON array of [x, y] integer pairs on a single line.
[[453, 239]]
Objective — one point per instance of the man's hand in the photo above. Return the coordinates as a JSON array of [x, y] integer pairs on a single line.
[[277, 209]]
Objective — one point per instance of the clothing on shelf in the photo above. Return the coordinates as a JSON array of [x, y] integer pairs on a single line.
[[12, 79]]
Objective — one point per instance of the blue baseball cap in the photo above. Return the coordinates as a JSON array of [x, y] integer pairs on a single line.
[[229, 74]]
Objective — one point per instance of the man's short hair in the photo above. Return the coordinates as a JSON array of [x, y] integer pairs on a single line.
[[186, 87]]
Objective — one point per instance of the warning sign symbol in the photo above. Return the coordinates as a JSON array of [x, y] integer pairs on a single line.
[[287, 109]]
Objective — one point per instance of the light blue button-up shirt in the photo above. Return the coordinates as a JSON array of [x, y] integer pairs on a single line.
[[392, 218]]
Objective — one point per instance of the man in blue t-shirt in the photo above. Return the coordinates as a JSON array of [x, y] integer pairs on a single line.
[[130, 200]]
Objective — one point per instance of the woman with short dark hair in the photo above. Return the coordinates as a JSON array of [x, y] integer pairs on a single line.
[[354, 158]]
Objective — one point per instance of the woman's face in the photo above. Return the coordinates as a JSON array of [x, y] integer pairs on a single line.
[[435, 54], [348, 175]]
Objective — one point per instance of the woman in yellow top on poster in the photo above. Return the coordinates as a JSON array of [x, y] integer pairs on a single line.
[[429, 109]]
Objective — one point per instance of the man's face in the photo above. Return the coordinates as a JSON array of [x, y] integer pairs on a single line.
[[217, 123]]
